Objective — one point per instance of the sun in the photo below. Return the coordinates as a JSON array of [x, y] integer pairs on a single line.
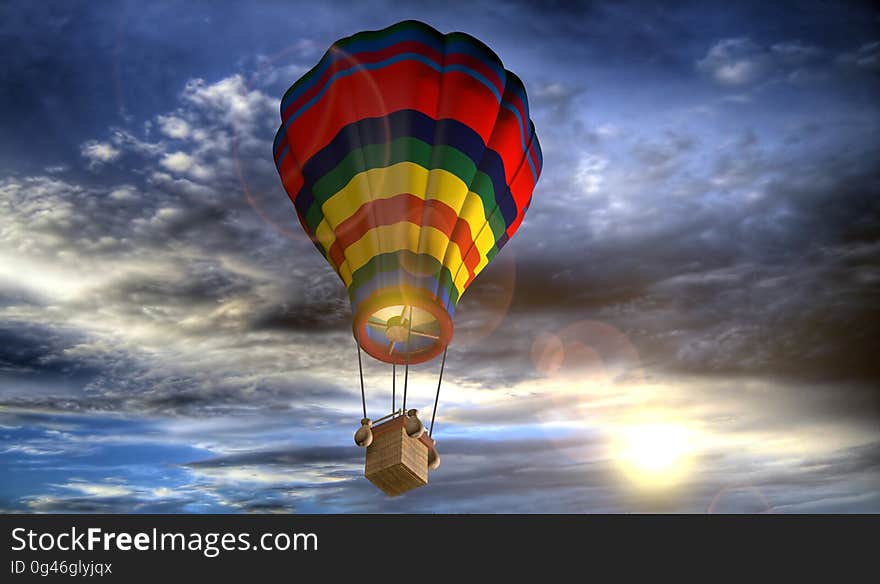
[[653, 455]]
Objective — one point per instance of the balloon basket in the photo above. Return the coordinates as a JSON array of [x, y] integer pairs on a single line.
[[396, 463]]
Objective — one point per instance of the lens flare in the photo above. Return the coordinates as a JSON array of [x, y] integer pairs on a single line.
[[484, 307], [740, 499]]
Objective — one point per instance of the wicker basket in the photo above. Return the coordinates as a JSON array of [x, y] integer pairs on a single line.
[[395, 462]]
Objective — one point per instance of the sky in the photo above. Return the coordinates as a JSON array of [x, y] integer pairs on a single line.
[[687, 320]]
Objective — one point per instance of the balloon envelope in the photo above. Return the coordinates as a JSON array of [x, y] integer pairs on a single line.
[[411, 159]]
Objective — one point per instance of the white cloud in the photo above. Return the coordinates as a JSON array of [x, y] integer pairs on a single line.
[[553, 91], [232, 101], [124, 193], [590, 173], [740, 62], [737, 73], [608, 131], [177, 162], [283, 74], [733, 62], [183, 186], [32, 450], [99, 153], [131, 143], [214, 123], [98, 489], [173, 126], [795, 51], [255, 474]]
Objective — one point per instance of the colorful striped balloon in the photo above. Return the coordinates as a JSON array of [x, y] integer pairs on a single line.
[[411, 159]]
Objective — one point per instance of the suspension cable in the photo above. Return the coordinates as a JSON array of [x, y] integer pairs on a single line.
[[437, 397], [406, 370], [393, 386], [361, 371]]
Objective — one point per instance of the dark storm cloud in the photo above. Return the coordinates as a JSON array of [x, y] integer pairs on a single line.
[[106, 505], [787, 247], [35, 355], [332, 314], [15, 296], [292, 458], [127, 387], [202, 282]]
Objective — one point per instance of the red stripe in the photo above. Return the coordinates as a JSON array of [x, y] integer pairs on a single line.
[[506, 142], [403, 85], [349, 61], [291, 174], [410, 85], [472, 254], [521, 188], [403, 207], [477, 65], [513, 99], [368, 57]]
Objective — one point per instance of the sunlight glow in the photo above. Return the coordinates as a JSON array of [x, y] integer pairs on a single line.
[[653, 455]]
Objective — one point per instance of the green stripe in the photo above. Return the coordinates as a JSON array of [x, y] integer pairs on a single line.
[[390, 262], [406, 149]]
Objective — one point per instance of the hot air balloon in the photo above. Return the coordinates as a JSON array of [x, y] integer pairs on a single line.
[[410, 158]]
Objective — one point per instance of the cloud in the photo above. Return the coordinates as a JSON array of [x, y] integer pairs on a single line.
[[589, 175], [97, 490], [866, 57], [740, 63], [124, 193], [179, 162], [173, 127], [682, 227], [80, 496], [173, 343], [99, 153], [230, 100], [573, 473], [733, 62], [796, 52]]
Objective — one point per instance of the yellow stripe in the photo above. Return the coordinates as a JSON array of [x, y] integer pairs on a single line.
[[485, 239], [404, 177], [325, 236], [473, 213], [403, 236]]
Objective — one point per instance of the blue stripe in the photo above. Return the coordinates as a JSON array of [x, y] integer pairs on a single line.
[[515, 86], [279, 138], [421, 58], [527, 149], [283, 154], [414, 124], [537, 146]]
